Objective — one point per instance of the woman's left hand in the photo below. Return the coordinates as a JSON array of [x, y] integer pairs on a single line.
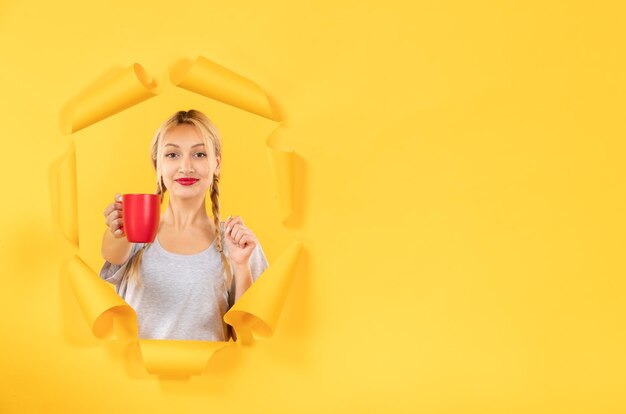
[[240, 240]]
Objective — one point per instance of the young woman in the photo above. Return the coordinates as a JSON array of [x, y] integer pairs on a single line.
[[183, 283]]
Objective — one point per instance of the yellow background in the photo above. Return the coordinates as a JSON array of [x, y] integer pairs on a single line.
[[462, 198]]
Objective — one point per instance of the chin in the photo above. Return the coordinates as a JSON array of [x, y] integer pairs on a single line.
[[190, 193]]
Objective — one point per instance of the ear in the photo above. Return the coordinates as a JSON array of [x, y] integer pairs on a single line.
[[218, 161]]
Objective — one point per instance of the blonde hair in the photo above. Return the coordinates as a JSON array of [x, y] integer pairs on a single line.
[[208, 131]]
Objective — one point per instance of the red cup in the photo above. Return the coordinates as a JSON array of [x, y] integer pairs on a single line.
[[141, 217]]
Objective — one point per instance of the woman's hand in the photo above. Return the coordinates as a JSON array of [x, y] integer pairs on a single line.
[[113, 215], [240, 240]]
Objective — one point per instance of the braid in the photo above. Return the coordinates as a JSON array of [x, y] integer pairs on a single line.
[[134, 266], [160, 189], [215, 208]]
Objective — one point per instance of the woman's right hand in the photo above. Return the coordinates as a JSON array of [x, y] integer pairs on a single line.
[[113, 214]]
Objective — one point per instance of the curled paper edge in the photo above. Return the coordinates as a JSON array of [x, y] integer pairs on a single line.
[[259, 308], [168, 357], [214, 81], [108, 315], [126, 88], [65, 198], [282, 165]]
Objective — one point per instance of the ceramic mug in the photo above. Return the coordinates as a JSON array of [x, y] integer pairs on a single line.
[[141, 217]]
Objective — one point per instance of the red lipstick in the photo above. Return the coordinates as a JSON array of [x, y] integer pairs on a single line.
[[187, 181]]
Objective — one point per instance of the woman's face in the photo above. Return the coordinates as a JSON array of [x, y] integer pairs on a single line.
[[184, 156]]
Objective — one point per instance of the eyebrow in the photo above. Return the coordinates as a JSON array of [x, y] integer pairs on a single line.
[[174, 145]]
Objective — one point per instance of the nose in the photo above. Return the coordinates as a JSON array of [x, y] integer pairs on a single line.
[[185, 164]]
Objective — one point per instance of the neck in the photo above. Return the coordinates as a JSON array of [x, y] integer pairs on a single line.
[[183, 214]]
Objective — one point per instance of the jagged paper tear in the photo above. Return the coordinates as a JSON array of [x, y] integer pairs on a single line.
[[109, 316], [63, 193], [257, 310], [282, 162]]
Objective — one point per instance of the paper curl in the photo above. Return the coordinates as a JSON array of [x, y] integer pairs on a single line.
[[259, 308], [163, 357], [282, 163], [108, 315], [214, 81], [64, 196], [127, 88]]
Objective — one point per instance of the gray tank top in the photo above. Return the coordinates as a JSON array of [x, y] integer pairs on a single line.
[[182, 297]]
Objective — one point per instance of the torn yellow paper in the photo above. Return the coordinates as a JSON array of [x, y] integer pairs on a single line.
[[209, 79], [65, 197], [282, 164], [108, 315], [127, 88], [259, 308], [178, 357]]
